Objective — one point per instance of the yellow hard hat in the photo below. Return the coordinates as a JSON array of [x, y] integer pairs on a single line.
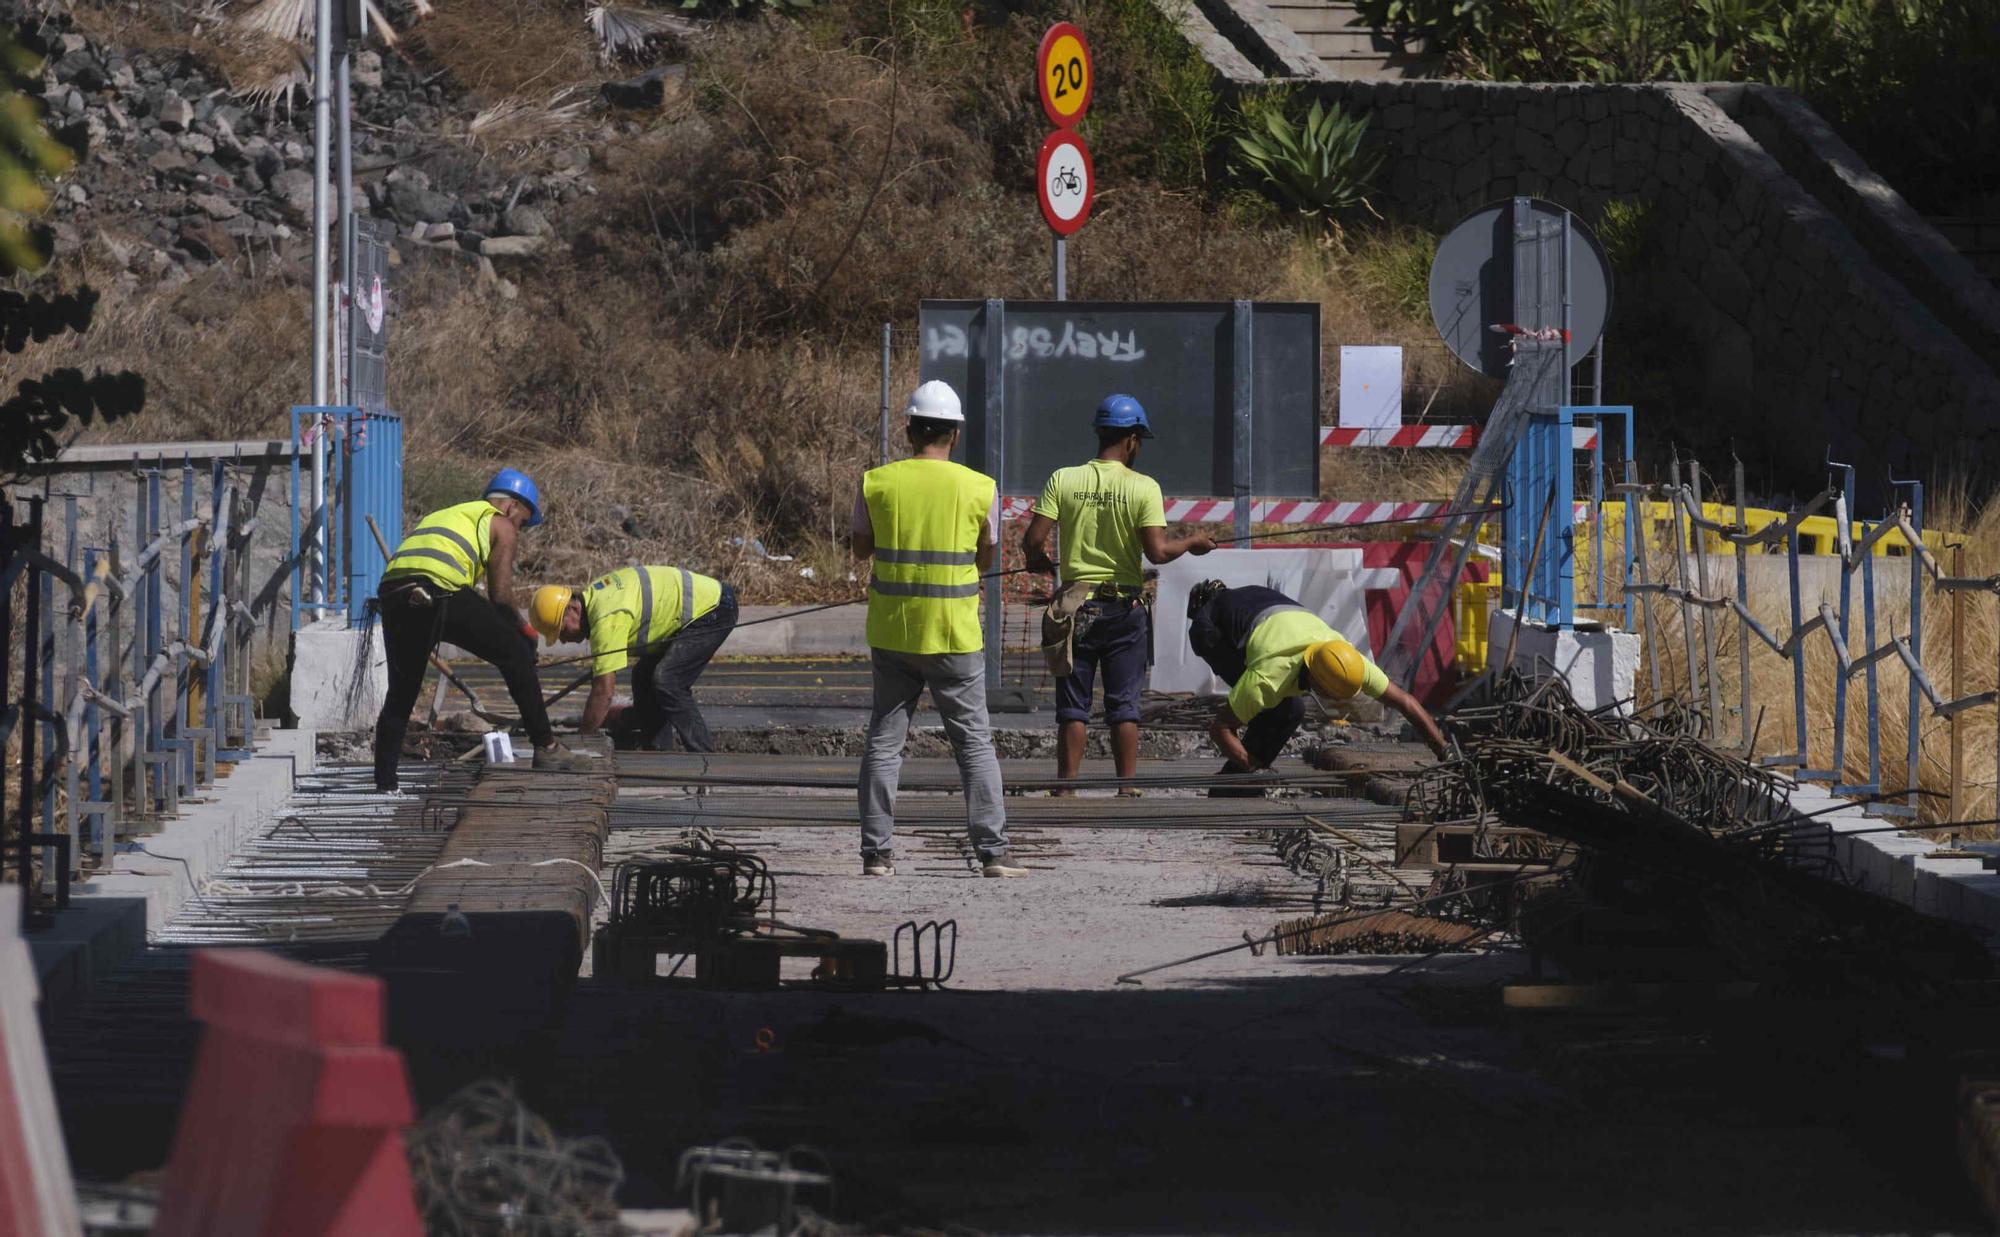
[[545, 609], [1336, 668]]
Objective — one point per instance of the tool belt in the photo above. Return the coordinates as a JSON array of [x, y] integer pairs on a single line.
[[1065, 621], [413, 591]]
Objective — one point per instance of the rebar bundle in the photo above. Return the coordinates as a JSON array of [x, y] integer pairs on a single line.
[[486, 1166]]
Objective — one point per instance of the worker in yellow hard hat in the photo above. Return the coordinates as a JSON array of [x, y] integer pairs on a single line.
[[664, 622], [1272, 651]]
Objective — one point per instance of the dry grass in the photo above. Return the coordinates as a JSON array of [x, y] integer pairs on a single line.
[[698, 372], [502, 48]]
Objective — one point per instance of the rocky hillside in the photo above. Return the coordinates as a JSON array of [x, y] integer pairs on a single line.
[[657, 281]]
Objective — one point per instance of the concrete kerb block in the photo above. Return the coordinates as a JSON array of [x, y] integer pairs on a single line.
[[339, 675], [178, 858], [1600, 666], [1939, 884]]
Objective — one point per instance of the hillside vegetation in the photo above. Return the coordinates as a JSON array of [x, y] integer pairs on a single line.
[[690, 365]]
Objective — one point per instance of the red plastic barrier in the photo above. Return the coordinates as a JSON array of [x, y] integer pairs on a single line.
[[37, 1196], [293, 1122]]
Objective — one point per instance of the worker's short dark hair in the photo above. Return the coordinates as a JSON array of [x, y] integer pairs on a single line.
[[925, 432], [1112, 435]]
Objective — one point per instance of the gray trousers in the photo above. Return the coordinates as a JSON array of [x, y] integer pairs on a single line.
[[958, 690]]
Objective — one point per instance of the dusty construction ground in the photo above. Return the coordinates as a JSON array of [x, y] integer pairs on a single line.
[[1236, 1095], [1239, 1094]]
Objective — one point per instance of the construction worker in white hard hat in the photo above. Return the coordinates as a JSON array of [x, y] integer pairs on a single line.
[[1272, 651], [932, 528], [671, 620], [1107, 518], [429, 594]]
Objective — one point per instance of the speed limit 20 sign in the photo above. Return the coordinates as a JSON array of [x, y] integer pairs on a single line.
[[1062, 71]]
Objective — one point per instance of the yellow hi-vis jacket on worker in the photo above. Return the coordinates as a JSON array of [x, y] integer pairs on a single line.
[[449, 547], [1275, 662], [927, 517], [633, 608]]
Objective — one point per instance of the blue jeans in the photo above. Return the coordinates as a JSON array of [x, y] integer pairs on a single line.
[[1115, 639]]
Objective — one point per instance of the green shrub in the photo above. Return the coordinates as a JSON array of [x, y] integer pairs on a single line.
[[1621, 229], [1315, 165]]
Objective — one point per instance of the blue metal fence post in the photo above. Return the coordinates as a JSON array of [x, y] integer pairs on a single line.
[[1803, 771], [1843, 517]]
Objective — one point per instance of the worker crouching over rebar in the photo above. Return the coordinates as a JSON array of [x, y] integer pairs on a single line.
[[430, 594], [1106, 516], [672, 619], [1272, 651], [932, 528]]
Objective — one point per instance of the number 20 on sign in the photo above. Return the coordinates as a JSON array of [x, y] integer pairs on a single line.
[[1062, 69]]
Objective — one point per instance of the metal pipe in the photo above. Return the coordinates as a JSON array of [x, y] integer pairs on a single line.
[[1743, 633], [883, 454], [1957, 685], [344, 198], [31, 644]]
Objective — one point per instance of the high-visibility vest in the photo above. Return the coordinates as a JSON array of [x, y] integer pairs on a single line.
[[927, 517], [448, 547], [663, 599]]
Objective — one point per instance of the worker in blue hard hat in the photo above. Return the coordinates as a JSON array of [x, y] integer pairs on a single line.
[[429, 594], [1109, 517]]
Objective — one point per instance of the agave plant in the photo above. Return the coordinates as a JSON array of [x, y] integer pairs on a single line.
[[1316, 167]]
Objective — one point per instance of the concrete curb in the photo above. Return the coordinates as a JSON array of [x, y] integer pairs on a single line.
[[1900, 866], [117, 910]]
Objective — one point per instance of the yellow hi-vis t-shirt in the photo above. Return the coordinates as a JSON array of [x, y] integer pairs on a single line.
[[618, 601], [1274, 663], [1099, 508]]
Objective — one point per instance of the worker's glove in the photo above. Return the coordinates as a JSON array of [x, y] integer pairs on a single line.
[[533, 638]]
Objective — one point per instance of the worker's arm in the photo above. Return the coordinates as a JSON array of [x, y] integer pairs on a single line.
[[1035, 542], [1420, 717], [500, 570], [861, 532], [989, 538], [597, 706], [1223, 732], [1160, 551]]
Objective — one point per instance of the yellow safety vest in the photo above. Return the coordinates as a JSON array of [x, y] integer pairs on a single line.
[[662, 600], [927, 516], [448, 547]]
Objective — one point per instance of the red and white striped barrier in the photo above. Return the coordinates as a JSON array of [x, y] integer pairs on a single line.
[[1445, 437], [37, 1196], [1223, 510]]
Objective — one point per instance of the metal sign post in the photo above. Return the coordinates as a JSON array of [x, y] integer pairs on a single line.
[[1064, 79]]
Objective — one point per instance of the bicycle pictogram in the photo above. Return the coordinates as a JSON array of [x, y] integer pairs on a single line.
[[1065, 181]]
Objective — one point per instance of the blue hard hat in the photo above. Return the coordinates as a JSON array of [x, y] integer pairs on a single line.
[[514, 481], [1119, 412]]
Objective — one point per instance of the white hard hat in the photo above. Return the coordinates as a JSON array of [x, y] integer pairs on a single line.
[[936, 401]]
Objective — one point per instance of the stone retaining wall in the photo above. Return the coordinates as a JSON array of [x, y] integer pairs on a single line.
[[1804, 340]]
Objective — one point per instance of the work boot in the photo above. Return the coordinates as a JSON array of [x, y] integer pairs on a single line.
[[561, 759], [1230, 769], [877, 865], [1000, 866]]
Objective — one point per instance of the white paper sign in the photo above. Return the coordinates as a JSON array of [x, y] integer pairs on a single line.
[[1371, 387]]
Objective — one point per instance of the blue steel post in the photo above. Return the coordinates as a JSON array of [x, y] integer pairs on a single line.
[[45, 597], [93, 770], [1844, 517], [1597, 509], [298, 596], [1798, 651], [184, 673], [218, 552], [1562, 464], [1913, 775], [1874, 783]]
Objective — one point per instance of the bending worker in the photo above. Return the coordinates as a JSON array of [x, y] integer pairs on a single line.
[[1108, 515], [430, 594], [1273, 651], [672, 619], [932, 527]]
